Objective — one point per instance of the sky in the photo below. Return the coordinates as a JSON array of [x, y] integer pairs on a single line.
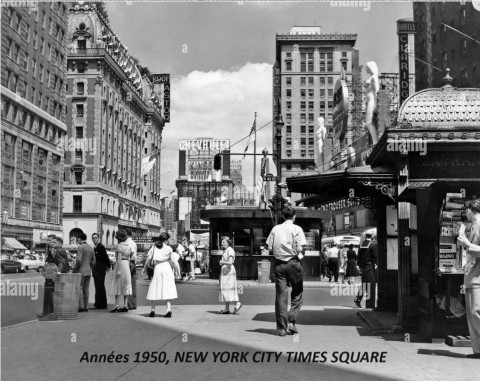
[[220, 56]]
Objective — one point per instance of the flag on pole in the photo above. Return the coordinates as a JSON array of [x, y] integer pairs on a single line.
[[259, 189], [147, 165], [251, 137]]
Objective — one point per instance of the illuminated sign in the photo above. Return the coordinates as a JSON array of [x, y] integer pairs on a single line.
[[161, 85], [340, 109], [204, 144], [404, 28]]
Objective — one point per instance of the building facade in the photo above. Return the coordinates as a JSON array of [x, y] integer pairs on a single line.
[[442, 47], [33, 120], [114, 128], [308, 64]]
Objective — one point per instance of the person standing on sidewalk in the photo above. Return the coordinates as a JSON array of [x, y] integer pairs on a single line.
[[162, 286], [102, 266], [352, 269], [333, 262], [193, 257], [49, 283], [132, 299], [472, 276], [287, 242], [83, 264], [122, 281], [367, 260], [228, 278]]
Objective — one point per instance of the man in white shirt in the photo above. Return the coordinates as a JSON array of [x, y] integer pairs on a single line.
[[193, 257], [287, 241], [333, 263], [132, 299]]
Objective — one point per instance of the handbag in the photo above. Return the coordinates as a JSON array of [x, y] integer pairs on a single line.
[[150, 263]]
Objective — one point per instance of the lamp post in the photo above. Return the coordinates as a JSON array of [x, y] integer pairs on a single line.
[[278, 156]]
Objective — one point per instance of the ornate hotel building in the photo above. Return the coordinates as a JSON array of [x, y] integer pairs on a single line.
[[32, 121], [113, 120]]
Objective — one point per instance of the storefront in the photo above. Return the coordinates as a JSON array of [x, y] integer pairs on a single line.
[[248, 228]]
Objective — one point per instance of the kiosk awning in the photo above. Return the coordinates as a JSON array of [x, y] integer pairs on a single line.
[[12, 243], [333, 185]]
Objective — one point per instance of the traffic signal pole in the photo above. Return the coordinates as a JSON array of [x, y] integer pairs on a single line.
[[279, 200]]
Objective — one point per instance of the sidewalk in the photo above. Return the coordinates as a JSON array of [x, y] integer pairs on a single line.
[[59, 350]]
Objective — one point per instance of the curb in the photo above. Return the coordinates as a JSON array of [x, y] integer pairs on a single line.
[[19, 324], [213, 282]]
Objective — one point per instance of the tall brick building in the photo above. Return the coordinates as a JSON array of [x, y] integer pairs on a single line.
[[443, 47], [308, 63], [33, 120], [114, 120]]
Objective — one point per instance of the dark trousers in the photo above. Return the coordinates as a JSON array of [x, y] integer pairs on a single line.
[[333, 268], [48, 297], [291, 272], [132, 299], [84, 291], [369, 282], [323, 268], [100, 292]]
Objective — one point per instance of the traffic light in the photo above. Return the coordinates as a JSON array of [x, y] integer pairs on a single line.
[[271, 204], [217, 162]]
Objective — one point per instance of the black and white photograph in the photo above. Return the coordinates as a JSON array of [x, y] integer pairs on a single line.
[[240, 190]]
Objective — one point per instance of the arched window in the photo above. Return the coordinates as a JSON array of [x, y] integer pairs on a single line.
[[107, 241], [73, 236], [120, 212], [113, 238]]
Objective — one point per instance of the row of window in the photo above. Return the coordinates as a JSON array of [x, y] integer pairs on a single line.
[[29, 122], [9, 148], [303, 142], [303, 129], [30, 211], [309, 105], [311, 116], [311, 81], [302, 167]]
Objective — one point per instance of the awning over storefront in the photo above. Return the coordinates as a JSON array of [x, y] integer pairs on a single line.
[[333, 185], [12, 243]]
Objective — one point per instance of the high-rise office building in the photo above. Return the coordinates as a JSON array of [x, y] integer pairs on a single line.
[[114, 127], [447, 37], [32, 121], [308, 63]]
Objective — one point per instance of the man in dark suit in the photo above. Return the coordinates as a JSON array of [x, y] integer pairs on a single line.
[[102, 266], [84, 263], [49, 284]]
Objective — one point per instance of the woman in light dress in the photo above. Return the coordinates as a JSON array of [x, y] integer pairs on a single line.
[[162, 286], [228, 278], [122, 283]]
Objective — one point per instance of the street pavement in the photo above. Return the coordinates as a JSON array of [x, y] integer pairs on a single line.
[[199, 344]]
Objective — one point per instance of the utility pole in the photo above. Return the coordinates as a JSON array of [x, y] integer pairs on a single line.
[[278, 157], [255, 155]]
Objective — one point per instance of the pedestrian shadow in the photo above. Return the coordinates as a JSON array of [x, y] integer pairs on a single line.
[[440, 352], [328, 316], [266, 331]]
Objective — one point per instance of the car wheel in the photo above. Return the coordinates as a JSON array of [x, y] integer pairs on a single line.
[[39, 269], [16, 270]]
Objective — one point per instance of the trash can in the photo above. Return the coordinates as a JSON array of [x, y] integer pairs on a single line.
[[65, 296], [263, 272]]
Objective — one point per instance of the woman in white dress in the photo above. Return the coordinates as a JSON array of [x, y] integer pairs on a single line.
[[122, 283], [162, 286], [228, 278]]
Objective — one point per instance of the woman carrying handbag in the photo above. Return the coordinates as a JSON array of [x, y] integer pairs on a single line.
[[162, 286]]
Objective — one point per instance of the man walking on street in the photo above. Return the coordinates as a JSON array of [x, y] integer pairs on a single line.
[[102, 266], [333, 262], [367, 261], [84, 263], [287, 242], [132, 299]]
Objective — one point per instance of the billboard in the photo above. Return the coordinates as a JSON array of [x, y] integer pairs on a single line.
[[200, 156], [340, 109]]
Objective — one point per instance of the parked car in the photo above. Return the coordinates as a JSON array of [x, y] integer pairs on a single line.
[[31, 262], [10, 265], [111, 255]]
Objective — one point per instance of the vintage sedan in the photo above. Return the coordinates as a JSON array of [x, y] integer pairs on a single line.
[[10, 265]]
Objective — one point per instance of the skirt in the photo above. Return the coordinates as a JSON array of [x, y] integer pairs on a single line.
[[228, 284], [352, 269], [121, 285], [162, 286]]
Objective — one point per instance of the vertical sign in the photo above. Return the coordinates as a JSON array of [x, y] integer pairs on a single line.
[[163, 79], [404, 28]]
